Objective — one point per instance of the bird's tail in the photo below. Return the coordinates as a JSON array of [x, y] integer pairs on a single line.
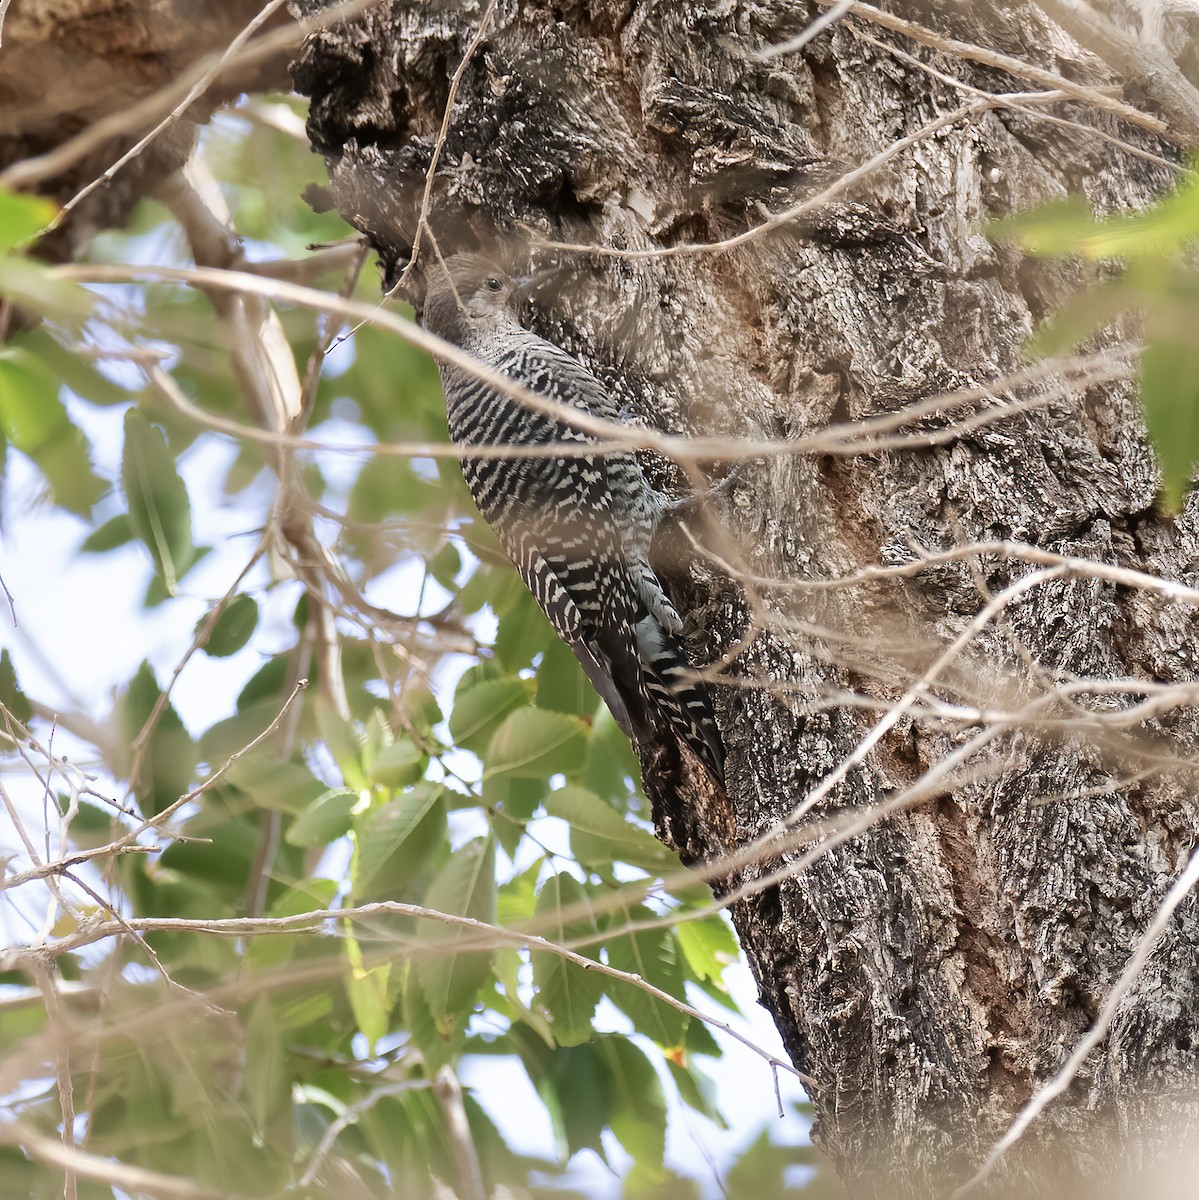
[[648, 684]]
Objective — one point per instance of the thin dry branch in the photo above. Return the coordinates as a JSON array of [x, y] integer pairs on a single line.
[[1013, 66], [487, 936], [852, 438], [1147, 65], [422, 219], [1182, 887], [29, 172], [126, 843], [1027, 109], [134, 1181]]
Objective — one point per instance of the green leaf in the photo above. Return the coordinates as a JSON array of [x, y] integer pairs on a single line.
[[465, 886], [523, 633], [697, 1090], [35, 421], [1170, 391], [33, 285], [478, 711], [369, 992], [275, 783], [266, 1082], [22, 217], [308, 895], [169, 761], [397, 765], [326, 819], [115, 532], [11, 695], [639, 1113], [234, 627], [159, 510], [612, 763], [392, 838], [445, 565], [651, 955], [438, 1042], [708, 945], [599, 834], [580, 1092], [69, 367], [567, 992], [561, 684], [534, 743]]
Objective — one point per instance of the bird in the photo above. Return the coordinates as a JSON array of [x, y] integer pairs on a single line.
[[577, 527]]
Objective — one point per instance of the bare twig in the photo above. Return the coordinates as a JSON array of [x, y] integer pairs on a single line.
[[811, 30], [448, 1091], [44, 972], [488, 935], [135, 1181], [1147, 65], [422, 219], [351, 1114], [1027, 109], [29, 172], [125, 844], [1013, 66], [1181, 888]]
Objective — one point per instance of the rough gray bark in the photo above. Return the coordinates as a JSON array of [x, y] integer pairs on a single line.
[[929, 974]]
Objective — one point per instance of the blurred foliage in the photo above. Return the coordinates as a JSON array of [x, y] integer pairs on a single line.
[[471, 771], [1151, 274]]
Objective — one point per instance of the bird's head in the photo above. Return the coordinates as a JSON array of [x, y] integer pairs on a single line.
[[468, 295]]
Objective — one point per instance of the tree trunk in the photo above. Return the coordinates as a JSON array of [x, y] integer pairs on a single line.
[[931, 973]]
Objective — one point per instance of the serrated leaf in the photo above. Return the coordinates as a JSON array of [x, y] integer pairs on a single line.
[[411, 823], [234, 627], [533, 743], [368, 989], [34, 420], [567, 992], [708, 944], [437, 1042], [465, 886], [479, 710], [599, 834], [326, 819], [397, 765], [159, 509], [580, 1092], [639, 1112], [650, 954]]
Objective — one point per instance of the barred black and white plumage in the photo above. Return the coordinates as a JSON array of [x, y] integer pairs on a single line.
[[578, 528]]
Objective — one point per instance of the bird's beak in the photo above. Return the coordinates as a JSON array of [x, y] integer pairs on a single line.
[[526, 284]]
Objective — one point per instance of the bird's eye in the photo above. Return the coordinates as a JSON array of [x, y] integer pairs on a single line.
[[492, 284]]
